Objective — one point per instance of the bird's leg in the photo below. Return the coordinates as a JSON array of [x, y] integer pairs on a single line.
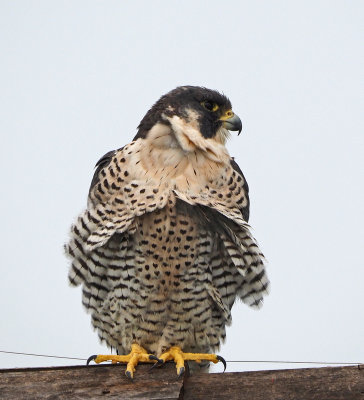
[[136, 355], [179, 357]]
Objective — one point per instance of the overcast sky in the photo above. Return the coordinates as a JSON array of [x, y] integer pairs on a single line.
[[76, 79]]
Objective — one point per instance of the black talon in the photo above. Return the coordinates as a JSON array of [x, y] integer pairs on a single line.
[[91, 358], [223, 361], [128, 374], [181, 372], [157, 364]]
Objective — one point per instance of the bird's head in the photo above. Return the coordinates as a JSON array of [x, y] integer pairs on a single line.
[[193, 114]]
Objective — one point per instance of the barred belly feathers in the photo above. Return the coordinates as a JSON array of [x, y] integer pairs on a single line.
[[164, 248]]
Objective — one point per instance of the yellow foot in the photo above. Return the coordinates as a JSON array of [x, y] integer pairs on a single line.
[[137, 354], [175, 353]]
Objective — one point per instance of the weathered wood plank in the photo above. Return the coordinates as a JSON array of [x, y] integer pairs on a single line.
[[340, 383], [109, 382], [92, 382]]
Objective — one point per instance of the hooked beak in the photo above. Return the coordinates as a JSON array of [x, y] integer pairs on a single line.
[[232, 123]]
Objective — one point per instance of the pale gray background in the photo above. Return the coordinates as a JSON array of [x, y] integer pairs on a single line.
[[77, 77]]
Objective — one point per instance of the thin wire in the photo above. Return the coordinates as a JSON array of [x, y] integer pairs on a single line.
[[231, 361], [42, 355], [297, 362]]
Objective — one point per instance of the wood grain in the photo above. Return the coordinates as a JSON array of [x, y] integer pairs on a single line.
[[341, 383], [109, 382], [90, 382]]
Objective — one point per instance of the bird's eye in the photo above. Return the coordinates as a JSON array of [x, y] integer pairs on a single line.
[[210, 106]]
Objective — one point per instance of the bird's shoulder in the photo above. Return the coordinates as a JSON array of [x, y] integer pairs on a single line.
[[224, 191], [101, 163], [245, 209], [110, 167], [122, 184]]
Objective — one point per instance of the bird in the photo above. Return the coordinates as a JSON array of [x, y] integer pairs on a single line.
[[164, 249]]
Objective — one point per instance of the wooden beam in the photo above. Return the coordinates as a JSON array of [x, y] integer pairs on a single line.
[[90, 382], [340, 383], [109, 382]]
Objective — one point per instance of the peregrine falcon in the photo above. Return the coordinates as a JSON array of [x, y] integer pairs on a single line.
[[164, 248]]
